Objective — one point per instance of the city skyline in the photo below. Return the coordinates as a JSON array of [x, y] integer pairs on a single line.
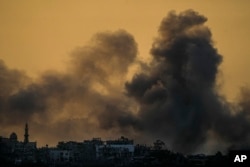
[[84, 69], [13, 137], [121, 151]]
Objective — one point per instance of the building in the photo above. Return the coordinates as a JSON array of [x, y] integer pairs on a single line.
[[17, 151], [57, 156], [112, 149]]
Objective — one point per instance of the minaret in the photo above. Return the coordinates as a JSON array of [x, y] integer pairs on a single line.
[[26, 135]]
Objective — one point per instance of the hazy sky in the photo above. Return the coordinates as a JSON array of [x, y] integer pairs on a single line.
[[39, 35]]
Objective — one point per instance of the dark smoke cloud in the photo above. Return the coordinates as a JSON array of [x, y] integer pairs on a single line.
[[178, 95], [90, 91], [10, 83], [174, 98], [10, 80]]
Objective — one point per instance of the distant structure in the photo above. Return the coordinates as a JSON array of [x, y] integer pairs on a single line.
[[13, 137], [17, 151], [26, 134], [120, 152]]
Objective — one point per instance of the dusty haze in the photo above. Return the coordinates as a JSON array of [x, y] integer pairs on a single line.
[[175, 97]]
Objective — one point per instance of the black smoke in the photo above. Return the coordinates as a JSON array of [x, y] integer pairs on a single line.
[[88, 98], [178, 95], [175, 98]]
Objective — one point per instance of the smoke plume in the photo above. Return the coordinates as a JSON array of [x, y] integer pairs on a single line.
[[84, 102], [178, 94], [175, 98]]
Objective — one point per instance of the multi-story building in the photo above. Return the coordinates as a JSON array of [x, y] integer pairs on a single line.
[[120, 148], [90, 152], [57, 156]]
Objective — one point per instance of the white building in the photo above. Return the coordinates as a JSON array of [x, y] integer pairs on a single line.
[[59, 156], [116, 148]]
